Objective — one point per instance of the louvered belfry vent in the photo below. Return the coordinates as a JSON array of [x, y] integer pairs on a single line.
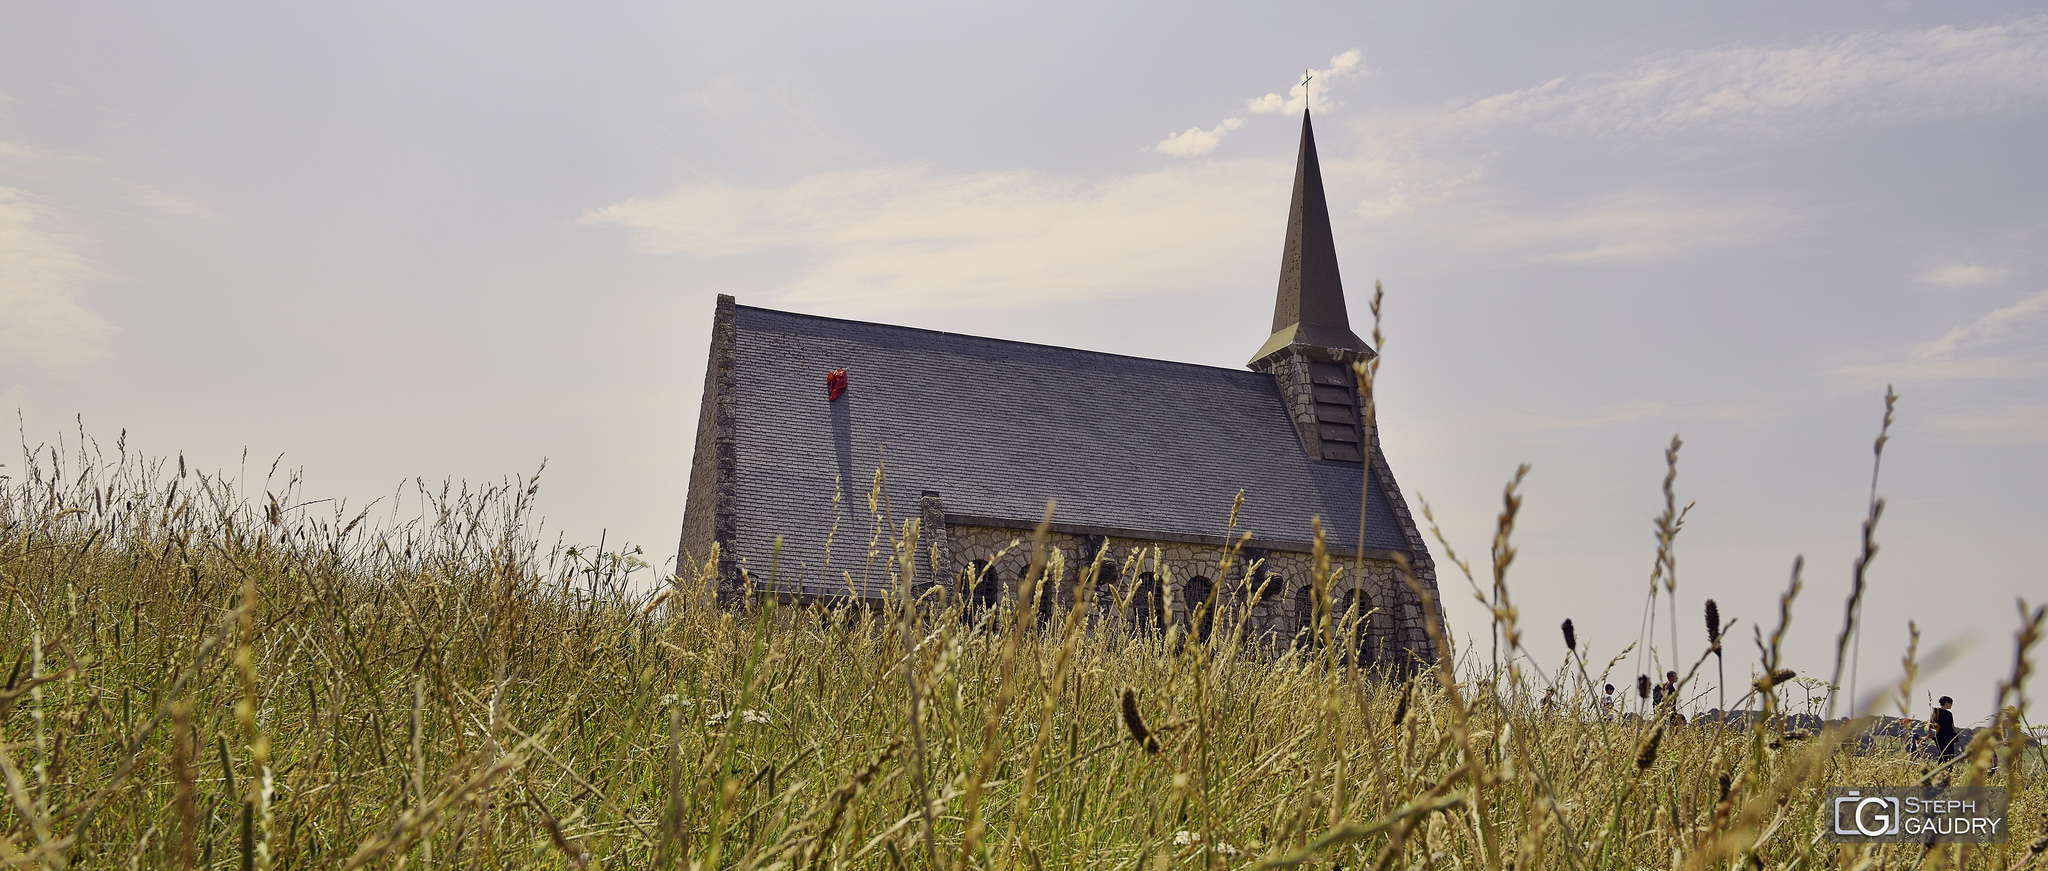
[[1312, 347], [1336, 411]]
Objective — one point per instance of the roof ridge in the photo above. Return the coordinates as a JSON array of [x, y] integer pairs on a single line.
[[1232, 370]]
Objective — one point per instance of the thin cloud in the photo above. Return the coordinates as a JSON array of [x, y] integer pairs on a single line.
[[42, 323], [783, 124], [1984, 349], [158, 199], [2022, 424], [1410, 189], [903, 238], [1342, 66], [1629, 226], [1195, 141], [20, 151], [1989, 328], [1626, 412], [45, 264], [1436, 436], [1430, 163], [1860, 80], [1963, 276]]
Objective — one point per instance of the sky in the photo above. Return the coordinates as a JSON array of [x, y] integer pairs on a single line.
[[392, 241]]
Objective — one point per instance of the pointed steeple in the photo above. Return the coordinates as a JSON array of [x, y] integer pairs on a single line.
[[1310, 307], [1312, 346]]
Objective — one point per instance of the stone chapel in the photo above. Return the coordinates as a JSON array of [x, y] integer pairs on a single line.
[[976, 434]]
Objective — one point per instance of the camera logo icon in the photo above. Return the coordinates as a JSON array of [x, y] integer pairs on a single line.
[[1924, 813], [1870, 816]]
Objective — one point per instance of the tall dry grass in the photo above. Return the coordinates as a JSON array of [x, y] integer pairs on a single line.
[[208, 675]]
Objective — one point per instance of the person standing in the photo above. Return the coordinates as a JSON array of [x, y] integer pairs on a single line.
[[1944, 730], [1665, 698], [1607, 703]]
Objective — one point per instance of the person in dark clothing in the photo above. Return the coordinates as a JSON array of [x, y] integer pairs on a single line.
[[1944, 730], [1665, 696]]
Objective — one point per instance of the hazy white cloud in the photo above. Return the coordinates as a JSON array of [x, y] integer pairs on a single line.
[[78, 172], [164, 201], [897, 238], [1342, 66], [42, 323], [1434, 160], [1862, 79], [1431, 163], [1443, 435], [1414, 188], [905, 236], [1195, 141], [44, 265], [1959, 275], [1641, 409], [1984, 330], [769, 121], [2021, 424], [2001, 345], [1628, 226], [20, 151]]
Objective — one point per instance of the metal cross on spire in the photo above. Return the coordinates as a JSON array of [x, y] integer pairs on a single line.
[[1306, 75]]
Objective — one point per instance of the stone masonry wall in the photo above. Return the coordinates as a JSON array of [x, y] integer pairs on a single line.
[[1276, 616], [708, 515], [1291, 370]]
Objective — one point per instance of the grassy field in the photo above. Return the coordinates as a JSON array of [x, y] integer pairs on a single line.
[[212, 678]]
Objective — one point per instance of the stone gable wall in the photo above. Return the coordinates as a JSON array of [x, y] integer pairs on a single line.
[[709, 514]]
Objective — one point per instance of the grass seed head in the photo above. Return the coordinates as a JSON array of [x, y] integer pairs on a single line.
[[576, 676], [1136, 724], [1765, 683], [1648, 755]]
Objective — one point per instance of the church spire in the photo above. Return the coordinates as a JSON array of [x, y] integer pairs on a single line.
[[1310, 307], [1312, 346]]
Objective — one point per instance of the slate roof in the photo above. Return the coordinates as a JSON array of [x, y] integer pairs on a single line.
[[996, 428]]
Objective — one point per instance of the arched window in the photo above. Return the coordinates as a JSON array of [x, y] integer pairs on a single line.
[[1146, 604], [1379, 645], [1265, 589], [1358, 616], [983, 587], [1304, 616], [1257, 600], [1107, 590], [1048, 594], [1261, 585], [1201, 605]]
